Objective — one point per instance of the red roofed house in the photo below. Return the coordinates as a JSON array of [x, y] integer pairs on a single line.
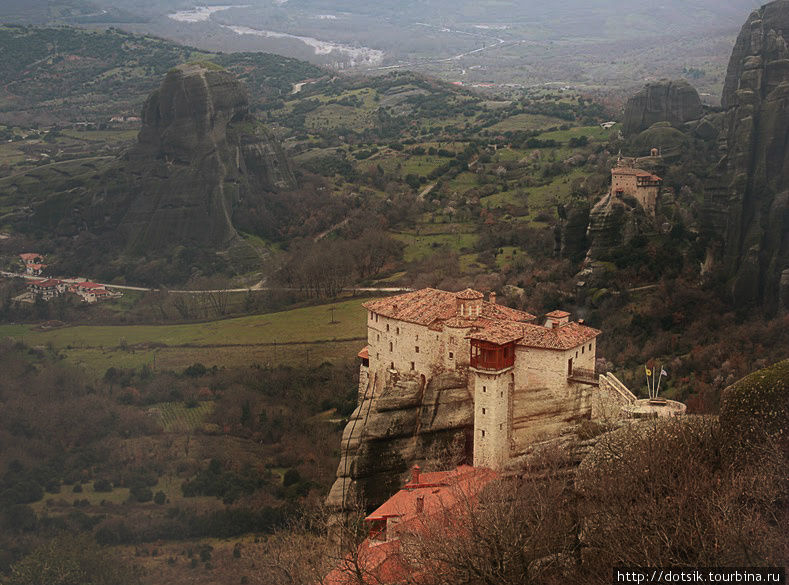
[[92, 291], [642, 185], [47, 289], [429, 499], [529, 381], [33, 263]]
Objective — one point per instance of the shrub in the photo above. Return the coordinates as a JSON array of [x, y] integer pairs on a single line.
[[102, 485]]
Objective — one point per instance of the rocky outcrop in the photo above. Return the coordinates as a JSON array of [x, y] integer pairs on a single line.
[[613, 222], [670, 101], [748, 207], [200, 157], [401, 420]]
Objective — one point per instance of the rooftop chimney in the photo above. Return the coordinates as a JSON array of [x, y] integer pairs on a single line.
[[415, 474], [492, 298], [420, 504]]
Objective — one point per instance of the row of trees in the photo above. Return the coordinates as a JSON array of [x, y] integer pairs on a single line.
[[324, 267]]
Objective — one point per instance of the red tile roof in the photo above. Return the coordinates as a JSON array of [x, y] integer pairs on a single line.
[[439, 491], [30, 256], [634, 172], [49, 283], [469, 295], [498, 332], [381, 563], [557, 314], [563, 338], [496, 324], [426, 306], [87, 284], [365, 353]]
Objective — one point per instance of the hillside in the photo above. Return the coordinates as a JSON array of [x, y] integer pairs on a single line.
[[62, 75]]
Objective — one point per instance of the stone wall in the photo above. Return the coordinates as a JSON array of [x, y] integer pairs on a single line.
[[544, 402], [609, 398], [492, 416], [395, 343]]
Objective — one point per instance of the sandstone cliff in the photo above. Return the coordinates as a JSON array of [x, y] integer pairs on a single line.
[[199, 157], [401, 421], [748, 208], [674, 101]]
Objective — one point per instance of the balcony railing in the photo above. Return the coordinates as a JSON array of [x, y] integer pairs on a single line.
[[583, 376]]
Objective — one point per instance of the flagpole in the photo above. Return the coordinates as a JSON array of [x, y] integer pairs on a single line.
[[660, 379], [646, 375]]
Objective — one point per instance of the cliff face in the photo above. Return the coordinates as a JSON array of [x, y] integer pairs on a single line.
[[675, 102], [749, 207], [401, 421], [199, 158]]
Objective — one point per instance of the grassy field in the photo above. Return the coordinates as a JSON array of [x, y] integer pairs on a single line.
[[538, 197], [595, 133], [176, 417], [526, 122], [423, 245], [103, 136], [304, 335]]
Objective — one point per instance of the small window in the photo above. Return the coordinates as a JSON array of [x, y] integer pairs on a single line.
[[417, 338], [583, 348], [378, 356], [484, 411], [397, 332], [378, 337], [391, 347], [501, 426], [590, 347], [451, 355], [376, 317], [387, 326], [484, 388], [371, 315], [482, 431], [502, 394], [391, 365], [416, 349], [576, 354], [412, 366]]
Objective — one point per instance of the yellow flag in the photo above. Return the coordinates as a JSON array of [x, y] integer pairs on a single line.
[[648, 371]]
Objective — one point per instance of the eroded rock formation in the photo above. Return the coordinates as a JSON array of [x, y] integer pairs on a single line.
[[673, 101], [748, 208], [400, 421], [200, 156]]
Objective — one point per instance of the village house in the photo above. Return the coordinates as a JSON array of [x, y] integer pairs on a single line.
[[46, 289], [33, 263], [92, 292], [529, 381], [428, 501], [636, 183]]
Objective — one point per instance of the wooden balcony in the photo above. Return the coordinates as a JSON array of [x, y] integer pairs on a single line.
[[490, 356]]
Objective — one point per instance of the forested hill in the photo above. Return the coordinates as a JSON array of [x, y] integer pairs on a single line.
[[52, 75]]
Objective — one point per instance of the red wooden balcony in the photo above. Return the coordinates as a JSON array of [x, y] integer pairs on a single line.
[[490, 356]]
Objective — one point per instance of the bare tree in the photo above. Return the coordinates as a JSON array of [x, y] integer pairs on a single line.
[[519, 530], [661, 494]]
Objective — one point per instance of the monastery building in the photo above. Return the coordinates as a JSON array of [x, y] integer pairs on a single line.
[[529, 381]]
